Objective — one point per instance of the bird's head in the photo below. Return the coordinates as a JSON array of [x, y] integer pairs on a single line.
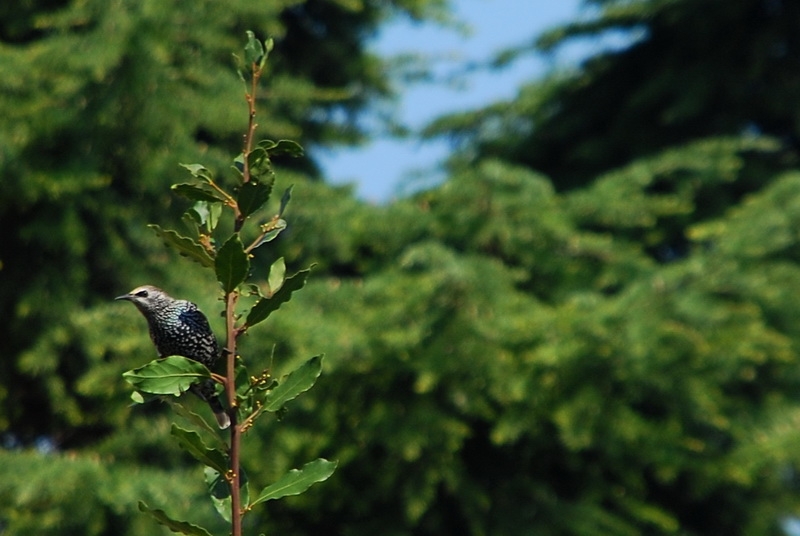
[[147, 298]]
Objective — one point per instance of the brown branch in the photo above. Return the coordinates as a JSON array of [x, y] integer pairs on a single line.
[[251, 122], [233, 475], [229, 201], [219, 378], [248, 137], [233, 332]]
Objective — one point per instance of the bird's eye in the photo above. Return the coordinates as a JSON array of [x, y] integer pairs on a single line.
[[141, 294]]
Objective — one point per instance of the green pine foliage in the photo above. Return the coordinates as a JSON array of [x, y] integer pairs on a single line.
[[57, 494], [620, 395]]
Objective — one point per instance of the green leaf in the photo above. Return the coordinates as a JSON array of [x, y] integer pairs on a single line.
[[192, 443], [242, 378], [277, 274], [261, 167], [298, 381], [168, 376], [251, 289], [214, 213], [199, 171], [269, 44], [200, 422], [273, 233], [266, 145], [220, 491], [198, 192], [182, 527], [252, 196], [192, 221], [285, 198], [240, 68], [205, 213], [250, 390], [244, 392], [144, 398], [265, 306], [186, 247], [282, 148], [238, 163], [231, 264], [297, 481], [253, 50]]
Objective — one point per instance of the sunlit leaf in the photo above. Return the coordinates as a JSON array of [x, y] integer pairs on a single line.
[[296, 382], [185, 246], [265, 306], [214, 213], [205, 213], [277, 274], [273, 233], [168, 376], [297, 481], [144, 398]]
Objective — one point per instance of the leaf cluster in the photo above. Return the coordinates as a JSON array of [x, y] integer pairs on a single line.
[[249, 396]]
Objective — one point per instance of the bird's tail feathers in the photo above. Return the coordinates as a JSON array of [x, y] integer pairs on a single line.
[[207, 391]]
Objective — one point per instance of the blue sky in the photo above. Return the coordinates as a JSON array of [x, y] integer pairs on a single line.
[[387, 167]]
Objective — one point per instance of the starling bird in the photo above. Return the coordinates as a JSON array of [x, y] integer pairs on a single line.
[[177, 327]]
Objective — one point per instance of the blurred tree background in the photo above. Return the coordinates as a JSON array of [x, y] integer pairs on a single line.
[[589, 328]]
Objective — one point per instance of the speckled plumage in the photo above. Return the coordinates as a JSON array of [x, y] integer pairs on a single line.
[[178, 327]]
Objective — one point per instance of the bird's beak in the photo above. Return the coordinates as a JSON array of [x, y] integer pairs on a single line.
[[123, 297]]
